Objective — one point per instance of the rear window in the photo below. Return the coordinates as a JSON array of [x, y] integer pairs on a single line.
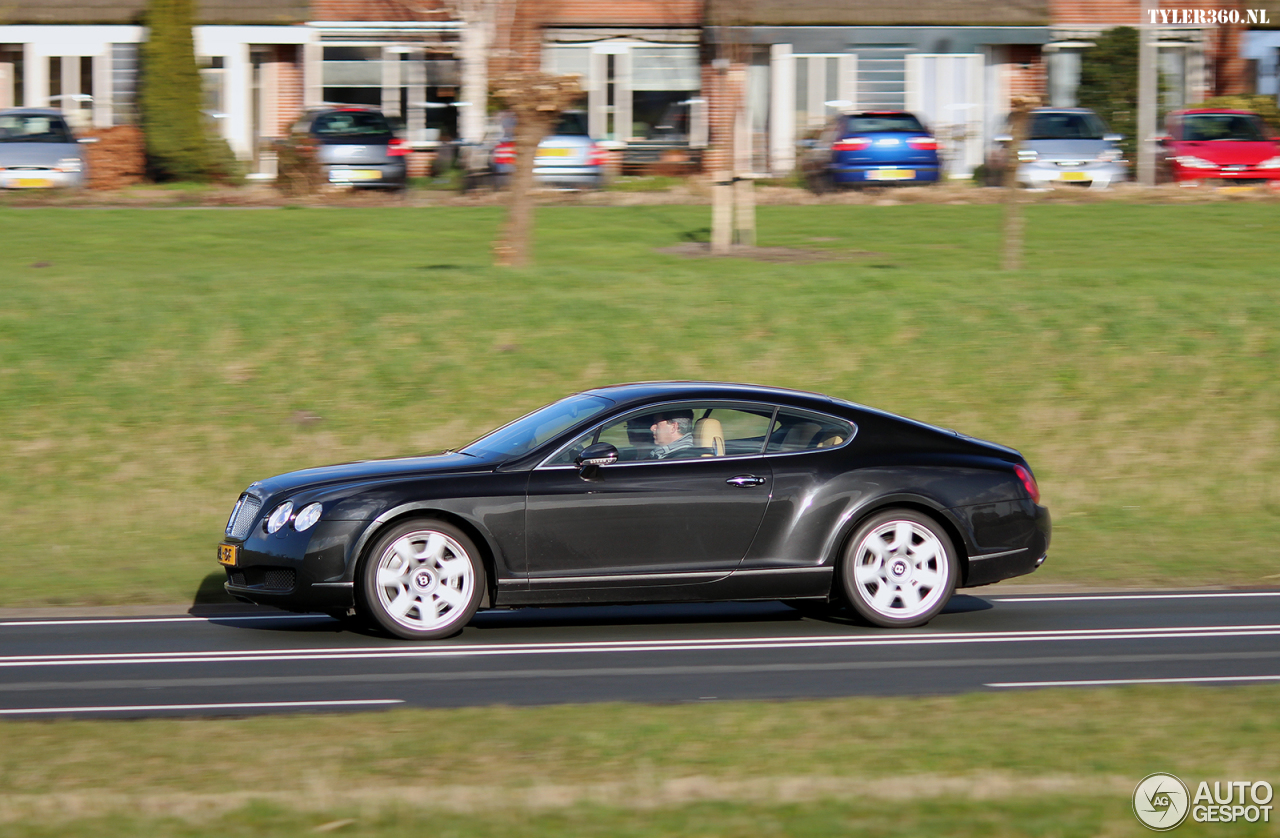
[[1066, 126], [572, 125], [34, 128], [351, 124], [881, 123]]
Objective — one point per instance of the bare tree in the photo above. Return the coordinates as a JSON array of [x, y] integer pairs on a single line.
[[1014, 218], [733, 213]]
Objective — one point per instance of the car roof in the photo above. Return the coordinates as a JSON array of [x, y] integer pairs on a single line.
[[1062, 110], [1213, 110], [643, 391], [33, 112]]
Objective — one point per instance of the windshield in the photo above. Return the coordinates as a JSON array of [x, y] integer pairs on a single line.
[[33, 128], [1206, 127], [1066, 126], [544, 424]]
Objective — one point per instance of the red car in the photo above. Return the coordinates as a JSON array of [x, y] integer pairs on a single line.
[[1218, 144]]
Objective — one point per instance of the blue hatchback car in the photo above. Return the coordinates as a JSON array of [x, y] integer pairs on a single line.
[[873, 148]]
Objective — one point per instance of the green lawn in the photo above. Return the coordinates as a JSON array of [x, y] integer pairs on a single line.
[[153, 363], [1051, 763]]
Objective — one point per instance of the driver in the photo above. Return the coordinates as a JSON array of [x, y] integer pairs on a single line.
[[672, 432]]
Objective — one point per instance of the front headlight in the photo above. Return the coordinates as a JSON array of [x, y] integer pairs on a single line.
[[70, 164], [1026, 155], [307, 517], [1272, 163], [1191, 162], [280, 517]]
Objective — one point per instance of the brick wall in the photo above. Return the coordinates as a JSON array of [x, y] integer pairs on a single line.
[[378, 10], [289, 93], [1027, 71], [674, 13]]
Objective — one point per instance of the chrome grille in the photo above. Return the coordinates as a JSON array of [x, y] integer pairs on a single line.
[[242, 516]]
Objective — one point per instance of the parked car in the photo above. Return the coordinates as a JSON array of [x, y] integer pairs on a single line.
[[1069, 146], [358, 147], [872, 148], [567, 158], [1219, 145], [39, 151], [651, 492]]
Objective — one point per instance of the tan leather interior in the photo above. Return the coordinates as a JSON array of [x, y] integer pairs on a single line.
[[800, 436], [831, 441], [707, 433]]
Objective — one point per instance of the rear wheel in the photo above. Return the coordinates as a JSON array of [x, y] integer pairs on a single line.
[[424, 580], [899, 569]]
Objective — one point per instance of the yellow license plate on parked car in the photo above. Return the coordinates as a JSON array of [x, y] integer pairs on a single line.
[[1073, 176], [891, 174], [553, 152], [228, 554], [355, 174], [31, 183]]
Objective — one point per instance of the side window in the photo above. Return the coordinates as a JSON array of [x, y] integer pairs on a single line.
[[680, 432], [797, 430]]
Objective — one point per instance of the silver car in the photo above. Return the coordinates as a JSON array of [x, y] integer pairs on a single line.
[[567, 158], [1068, 146], [357, 147], [38, 150]]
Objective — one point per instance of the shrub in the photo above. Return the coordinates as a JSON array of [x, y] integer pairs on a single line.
[[170, 95]]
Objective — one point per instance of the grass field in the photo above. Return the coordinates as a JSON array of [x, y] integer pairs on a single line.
[[153, 363], [1050, 763]]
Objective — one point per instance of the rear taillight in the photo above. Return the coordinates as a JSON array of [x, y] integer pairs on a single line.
[[852, 144], [1028, 483], [397, 148], [923, 143], [597, 156], [504, 154]]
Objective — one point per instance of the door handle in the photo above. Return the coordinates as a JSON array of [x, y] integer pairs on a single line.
[[745, 480]]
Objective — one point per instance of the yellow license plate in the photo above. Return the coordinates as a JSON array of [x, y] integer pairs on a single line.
[[228, 554], [553, 152], [891, 174], [355, 174], [1073, 176], [31, 183]]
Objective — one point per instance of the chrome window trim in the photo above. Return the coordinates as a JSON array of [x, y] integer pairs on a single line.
[[806, 569], [627, 577], [727, 404]]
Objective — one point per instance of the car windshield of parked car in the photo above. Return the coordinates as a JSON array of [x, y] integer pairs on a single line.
[[33, 128], [882, 123], [351, 124], [1206, 127], [1066, 126], [530, 431]]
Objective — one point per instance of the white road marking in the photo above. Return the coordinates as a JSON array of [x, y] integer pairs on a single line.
[[126, 621], [1117, 682], [243, 705], [616, 646], [1118, 597]]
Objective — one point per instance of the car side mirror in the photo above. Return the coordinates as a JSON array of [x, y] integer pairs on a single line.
[[594, 456], [1002, 139], [1112, 138]]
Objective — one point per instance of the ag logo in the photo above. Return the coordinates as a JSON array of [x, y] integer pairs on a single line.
[[1161, 802]]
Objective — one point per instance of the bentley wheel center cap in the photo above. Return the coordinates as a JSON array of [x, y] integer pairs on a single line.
[[899, 568], [424, 580]]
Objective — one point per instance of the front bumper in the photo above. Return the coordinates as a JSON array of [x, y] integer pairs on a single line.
[[311, 571], [884, 174], [1095, 175], [40, 179]]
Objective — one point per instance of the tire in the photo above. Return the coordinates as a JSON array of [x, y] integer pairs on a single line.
[[899, 569], [423, 580]]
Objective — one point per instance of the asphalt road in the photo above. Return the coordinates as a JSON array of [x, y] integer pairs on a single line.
[[260, 663]]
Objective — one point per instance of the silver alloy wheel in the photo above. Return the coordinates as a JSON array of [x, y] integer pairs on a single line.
[[425, 581], [901, 571]]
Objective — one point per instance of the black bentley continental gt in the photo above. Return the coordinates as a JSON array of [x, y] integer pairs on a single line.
[[651, 492]]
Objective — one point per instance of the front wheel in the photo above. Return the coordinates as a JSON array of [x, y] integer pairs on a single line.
[[899, 569], [424, 580]]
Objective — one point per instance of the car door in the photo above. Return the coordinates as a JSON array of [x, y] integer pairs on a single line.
[[648, 519]]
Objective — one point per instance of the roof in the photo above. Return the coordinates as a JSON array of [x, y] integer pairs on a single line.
[[877, 13], [641, 391], [131, 11]]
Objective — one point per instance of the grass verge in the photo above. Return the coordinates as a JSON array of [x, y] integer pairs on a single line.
[[152, 364]]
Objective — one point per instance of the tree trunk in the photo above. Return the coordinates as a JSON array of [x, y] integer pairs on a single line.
[[1014, 218], [514, 246]]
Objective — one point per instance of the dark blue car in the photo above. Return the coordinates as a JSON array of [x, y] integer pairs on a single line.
[[873, 148]]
